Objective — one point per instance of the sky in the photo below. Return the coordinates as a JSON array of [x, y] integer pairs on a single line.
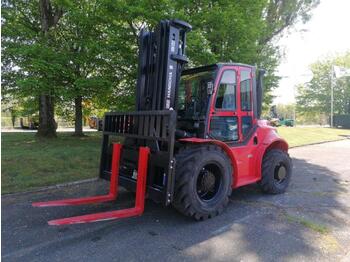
[[326, 34]]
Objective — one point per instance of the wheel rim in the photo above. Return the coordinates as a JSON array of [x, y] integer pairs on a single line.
[[209, 181], [280, 173]]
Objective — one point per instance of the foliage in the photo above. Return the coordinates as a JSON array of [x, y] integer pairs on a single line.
[[312, 118], [285, 111], [240, 31], [92, 50], [315, 96]]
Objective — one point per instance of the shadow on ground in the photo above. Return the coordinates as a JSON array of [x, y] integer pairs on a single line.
[[310, 221]]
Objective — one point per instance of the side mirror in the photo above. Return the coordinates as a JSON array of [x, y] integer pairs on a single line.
[[210, 88]]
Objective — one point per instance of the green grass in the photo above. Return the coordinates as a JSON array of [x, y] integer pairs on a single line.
[[28, 163], [298, 136]]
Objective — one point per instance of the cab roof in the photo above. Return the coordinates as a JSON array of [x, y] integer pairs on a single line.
[[213, 67]]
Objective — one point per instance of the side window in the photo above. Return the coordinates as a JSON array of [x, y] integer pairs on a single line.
[[226, 94], [246, 104], [246, 124], [224, 128]]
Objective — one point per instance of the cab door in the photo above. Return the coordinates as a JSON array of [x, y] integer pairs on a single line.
[[223, 118]]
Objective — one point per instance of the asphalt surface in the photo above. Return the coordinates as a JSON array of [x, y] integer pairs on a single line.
[[311, 222]]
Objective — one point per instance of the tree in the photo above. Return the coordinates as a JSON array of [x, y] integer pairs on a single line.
[[315, 96], [285, 111], [74, 52], [58, 58], [47, 124], [28, 55], [282, 14], [49, 17], [241, 31], [83, 41]]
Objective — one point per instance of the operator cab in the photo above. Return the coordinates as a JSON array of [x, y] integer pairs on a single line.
[[220, 101]]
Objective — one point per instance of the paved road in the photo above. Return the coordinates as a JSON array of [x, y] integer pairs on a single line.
[[311, 222]]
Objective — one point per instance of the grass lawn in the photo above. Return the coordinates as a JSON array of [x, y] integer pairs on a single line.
[[298, 136], [28, 162]]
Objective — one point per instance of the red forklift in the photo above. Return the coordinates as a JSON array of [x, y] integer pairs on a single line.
[[196, 134]]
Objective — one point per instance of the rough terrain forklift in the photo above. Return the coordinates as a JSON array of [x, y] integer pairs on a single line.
[[195, 135]]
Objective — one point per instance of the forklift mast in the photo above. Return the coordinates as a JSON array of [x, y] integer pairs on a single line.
[[161, 60], [153, 124]]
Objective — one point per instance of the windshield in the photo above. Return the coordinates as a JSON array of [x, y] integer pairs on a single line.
[[193, 94]]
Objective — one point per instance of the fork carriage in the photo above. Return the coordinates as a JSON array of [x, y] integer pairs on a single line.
[[152, 129]]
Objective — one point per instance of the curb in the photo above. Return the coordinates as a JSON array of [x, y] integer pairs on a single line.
[[322, 142], [89, 180]]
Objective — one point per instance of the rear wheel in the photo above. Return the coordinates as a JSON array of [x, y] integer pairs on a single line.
[[203, 181], [276, 172]]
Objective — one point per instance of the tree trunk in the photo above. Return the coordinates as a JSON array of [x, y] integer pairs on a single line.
[[47, 124], [78, 116], [13, 118]]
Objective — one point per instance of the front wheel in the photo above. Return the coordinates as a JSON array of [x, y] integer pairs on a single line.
[[203, 181], [276, 172]]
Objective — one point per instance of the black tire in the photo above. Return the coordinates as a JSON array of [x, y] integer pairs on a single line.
[[276, 172], [203, 181]]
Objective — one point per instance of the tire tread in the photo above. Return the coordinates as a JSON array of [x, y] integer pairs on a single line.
[[186, 159]]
